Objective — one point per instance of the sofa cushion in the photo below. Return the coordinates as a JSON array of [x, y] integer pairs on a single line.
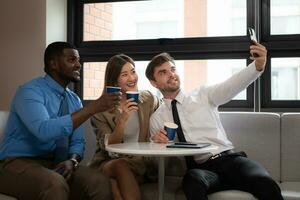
[[172, 184], [290, 147], [224, 195], [290, 190], [90, 143], [5, 197], [258, 134], [3, 120], [243, 129]]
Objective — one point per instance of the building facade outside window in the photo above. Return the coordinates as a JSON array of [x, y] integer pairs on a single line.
[[208, 39]]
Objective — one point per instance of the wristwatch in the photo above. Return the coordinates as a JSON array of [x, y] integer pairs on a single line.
[[75, 162]]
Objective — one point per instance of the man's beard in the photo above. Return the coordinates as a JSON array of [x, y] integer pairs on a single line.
[[170, 89], [75, 80], [174, 88], [70, 79]]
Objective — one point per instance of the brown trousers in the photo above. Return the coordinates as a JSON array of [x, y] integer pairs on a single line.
[[33, 179]]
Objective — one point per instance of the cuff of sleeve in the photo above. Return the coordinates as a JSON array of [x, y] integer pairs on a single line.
[[78, 152], [253, 66], [151, 140]]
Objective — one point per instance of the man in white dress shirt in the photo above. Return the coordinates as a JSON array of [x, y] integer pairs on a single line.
[[199, 121]]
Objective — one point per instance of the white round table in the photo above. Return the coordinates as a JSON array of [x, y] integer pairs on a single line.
[[157, 150]]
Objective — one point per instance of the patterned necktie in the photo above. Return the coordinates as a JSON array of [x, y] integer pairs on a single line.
[[190, 162], [62, 144]]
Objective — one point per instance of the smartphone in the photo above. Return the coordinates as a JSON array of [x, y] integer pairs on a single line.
[[253, 39]]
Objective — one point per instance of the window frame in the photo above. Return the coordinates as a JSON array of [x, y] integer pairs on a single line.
[[279, 46], [229, 47]]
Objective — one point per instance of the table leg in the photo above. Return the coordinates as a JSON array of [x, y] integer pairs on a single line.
[[161, 178]]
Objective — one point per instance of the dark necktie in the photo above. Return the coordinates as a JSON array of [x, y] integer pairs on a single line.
[[62, 144], [176, 119], [190, 162]]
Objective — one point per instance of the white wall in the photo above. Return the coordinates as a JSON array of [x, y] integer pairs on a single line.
[[56, 21], [24, 34]]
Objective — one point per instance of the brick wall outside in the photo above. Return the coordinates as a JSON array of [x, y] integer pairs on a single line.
[[93, 79], [97, 21], [195, 18], [97, 26]]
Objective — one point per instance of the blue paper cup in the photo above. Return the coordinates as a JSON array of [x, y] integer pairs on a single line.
[[134, 95], [170, 128], [111, 89]]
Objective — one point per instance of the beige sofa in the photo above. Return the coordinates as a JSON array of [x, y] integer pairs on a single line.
[[269, 138]]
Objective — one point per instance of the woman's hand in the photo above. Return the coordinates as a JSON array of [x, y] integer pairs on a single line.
[[127, 108]]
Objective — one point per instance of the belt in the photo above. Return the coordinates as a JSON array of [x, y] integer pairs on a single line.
[[223, 153]]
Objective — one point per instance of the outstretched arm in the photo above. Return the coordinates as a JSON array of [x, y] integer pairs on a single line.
[[223, 92], [103, 103]]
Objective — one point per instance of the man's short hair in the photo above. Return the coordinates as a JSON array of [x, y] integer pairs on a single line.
[[53, 50], [157, 61]]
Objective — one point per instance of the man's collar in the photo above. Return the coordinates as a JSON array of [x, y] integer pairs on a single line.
[[179, 98], [54, 85]]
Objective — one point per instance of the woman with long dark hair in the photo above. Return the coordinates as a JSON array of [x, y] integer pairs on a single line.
[[129, 123]]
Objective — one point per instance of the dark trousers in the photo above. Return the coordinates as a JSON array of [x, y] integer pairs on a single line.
[[33, 179], [230, 172]]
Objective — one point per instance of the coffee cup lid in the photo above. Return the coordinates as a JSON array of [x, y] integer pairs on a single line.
[[113, 87], [132, 92]]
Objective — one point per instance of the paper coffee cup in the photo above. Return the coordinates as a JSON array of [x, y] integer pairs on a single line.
[[133, 95], [171, 129], [112, 89]]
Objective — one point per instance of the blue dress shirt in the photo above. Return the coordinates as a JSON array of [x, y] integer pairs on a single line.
[[34, 123]]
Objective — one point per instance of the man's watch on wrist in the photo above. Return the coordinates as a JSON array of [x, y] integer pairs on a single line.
[[75, 162]]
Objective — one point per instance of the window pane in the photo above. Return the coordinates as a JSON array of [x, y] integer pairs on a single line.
[[164, 19], [285, 17], [285, 79], [193, 73]]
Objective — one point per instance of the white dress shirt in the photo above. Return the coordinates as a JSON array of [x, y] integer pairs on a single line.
[[198, 110]]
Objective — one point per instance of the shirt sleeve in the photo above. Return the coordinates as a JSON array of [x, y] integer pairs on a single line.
[[155, 125], [77, 142], [223, 92], [30, 106]]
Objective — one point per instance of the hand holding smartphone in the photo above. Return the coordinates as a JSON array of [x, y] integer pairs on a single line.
[[253, 40]]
